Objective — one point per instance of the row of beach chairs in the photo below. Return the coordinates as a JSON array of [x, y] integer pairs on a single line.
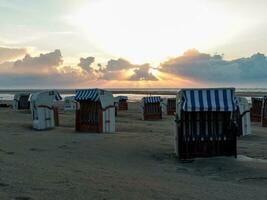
[[207, 121]]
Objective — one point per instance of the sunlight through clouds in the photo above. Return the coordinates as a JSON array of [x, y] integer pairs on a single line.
[[149, 31]]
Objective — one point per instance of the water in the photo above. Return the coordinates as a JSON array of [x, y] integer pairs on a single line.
[[138, 97]]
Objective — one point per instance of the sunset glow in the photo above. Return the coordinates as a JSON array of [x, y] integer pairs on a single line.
[[124, 43], [156, 30]]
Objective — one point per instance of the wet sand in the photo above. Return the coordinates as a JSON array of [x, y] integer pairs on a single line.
[[136, 162]]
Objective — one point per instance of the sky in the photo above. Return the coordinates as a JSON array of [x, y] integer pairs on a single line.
[[133, 43]]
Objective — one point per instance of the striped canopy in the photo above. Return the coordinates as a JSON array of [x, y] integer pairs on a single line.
[[155, 99], [87, 94], [122, 98], [57, 96], [222, 99]]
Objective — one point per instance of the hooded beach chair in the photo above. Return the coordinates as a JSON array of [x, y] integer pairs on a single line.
[[95, 111], [206, 123], [44, 114], [21, 101], [256, 109], [171, 106], [151, 108], [122, 102]]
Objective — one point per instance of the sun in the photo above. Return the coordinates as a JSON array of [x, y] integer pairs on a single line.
[[150, 31]]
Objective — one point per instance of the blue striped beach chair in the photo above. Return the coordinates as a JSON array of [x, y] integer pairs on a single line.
[[95, 111], [206, 123], [151, 108]]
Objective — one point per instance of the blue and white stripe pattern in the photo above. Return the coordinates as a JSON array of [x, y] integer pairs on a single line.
[[57, 96], [121, 98], [222, 99], [154, 99], [87, 94]]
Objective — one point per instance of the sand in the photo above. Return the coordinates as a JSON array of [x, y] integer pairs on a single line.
[[136, 162]]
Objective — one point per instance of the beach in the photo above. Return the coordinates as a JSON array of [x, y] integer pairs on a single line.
[[136, 162]]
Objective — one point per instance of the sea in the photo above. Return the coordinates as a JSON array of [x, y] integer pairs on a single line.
[[134, 93]]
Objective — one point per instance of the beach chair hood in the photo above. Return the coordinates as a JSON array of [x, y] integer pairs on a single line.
[[45, 97], [121, 98], [209, 99], [18, 95], [150, 99], [105, 97]]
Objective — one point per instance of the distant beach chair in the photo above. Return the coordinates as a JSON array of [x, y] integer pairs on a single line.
[[21, 101], [171, 106], [206, 123], [95, 112], [244, 112], [256, 109], [122, 102], [44, 113], [69, 103], [264, 112], [151, 108]]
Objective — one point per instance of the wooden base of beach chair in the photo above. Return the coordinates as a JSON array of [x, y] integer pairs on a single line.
[[152, 111], [123, 106], [206, 134], [171, 106], [170, 112], [264, 113], [256, 110], [89, 118], [264, 122], [56, 116], [157, 116], [255, 118]]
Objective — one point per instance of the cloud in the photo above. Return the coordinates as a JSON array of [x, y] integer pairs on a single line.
[[120, 64], [193, 67], [56, 80], [122, 69], [143, 74], [7, 54], [85, 63], [45, 63], [45, 70], [214, 69], [114, 75]]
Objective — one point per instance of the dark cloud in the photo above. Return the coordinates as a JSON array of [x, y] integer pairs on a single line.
[[46, 70], [45, 63], [207, 68], [85, 63], [39, 81], [143, 74], [114, 75], [43, 71], [120, 64], [117, 70], [7, 54]]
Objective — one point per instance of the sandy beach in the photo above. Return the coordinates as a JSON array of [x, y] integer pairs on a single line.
[[136, 162]]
